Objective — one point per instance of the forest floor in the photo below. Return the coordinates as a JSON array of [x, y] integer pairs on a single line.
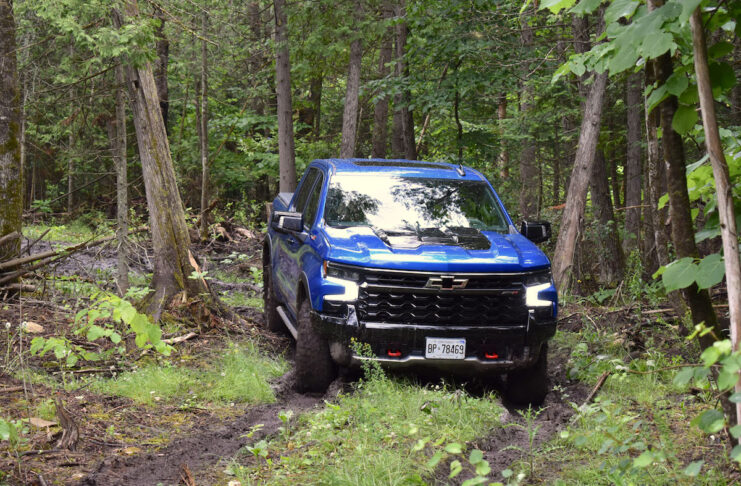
[[220, 409]]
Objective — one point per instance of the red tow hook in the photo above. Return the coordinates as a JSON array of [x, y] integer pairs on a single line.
[[393, 354], [491, 355]]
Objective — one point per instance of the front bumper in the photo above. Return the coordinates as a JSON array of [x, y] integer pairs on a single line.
[[488, 348]]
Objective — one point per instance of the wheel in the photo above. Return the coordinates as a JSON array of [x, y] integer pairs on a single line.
[[529, 386], [315, 369], [273, 322]]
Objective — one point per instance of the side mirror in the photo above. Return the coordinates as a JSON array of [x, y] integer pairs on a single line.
[[536, 231], [286, 221]]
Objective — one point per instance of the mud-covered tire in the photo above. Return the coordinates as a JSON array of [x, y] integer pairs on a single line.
[[529, 386], [273, 322], [315, 369]]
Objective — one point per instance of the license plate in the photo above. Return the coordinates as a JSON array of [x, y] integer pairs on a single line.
[[442, 348]]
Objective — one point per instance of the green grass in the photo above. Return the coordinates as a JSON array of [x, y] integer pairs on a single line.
[[239, 375], [241, 299], [73, 232], [369, 437]]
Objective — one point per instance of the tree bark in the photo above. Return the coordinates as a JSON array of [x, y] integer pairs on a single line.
[[170, 239], [381, 110], [633, 164], [683, 233], [203, 132], [610, 254], [286, 150], [11, 187], [117, 134], [163, 53], [352, 102], [573, 214], [724, 189], [528, 169], [503, 158], [402, 141]]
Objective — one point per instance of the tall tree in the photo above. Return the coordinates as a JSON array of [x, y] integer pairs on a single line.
[[402, 139], [163, 57], [286, 150], [528, 167], [381, 108], [11, 188], [352, 96], [117, 137], [610, 254], [563, 257], [633, 163], [203, 128], [173, 260]]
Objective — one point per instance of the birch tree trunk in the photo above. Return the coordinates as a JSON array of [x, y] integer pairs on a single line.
[[173, 260], [11, 187], [571, 224], [286, 150], [723, 186], [350, 114]]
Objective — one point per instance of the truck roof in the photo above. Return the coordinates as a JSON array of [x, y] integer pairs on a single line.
[[402, 167]]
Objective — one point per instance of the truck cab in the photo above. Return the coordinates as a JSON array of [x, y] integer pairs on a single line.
[[418, 260]]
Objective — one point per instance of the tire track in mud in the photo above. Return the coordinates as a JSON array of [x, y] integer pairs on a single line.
[[204, 447]]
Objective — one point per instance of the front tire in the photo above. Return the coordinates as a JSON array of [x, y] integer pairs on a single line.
[[273, 322], [529, 386], [315, 369]]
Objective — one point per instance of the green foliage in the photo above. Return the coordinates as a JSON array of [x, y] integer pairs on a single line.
[[13, 431], [682, 273]]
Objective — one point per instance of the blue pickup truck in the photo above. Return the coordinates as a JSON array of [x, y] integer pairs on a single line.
[[420, 261]]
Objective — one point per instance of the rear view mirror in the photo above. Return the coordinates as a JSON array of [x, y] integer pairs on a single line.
[[536, 231], [286, 221]]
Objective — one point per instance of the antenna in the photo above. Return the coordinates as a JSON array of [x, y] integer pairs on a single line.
[[461, 171]]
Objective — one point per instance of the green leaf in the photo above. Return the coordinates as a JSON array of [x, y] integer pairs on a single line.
[[455, 468], [645, 459], [454, 448], [690, 96], [656, 44], [657, 96], [476, 456], [684, 376], [684, 119], [688, 6], [711, 271], [735, 398], [710, 421], [585, 7], [679, 274], [619, 9], [727, 379], [693, 469], [735, 431], [434, 460], [483, 468], [556, 6], [710, 356], [736, 453], [95, 332], [623, 59], [722, 76], [677, 83], [720, 49]]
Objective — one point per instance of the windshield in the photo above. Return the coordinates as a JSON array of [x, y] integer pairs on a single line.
[[396, 204]]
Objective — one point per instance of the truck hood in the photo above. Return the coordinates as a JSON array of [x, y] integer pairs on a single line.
[[361, 246]]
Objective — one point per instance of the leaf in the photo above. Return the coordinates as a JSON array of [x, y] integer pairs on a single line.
[[556, 6], [657, 96], [434, 460], [735, 398], [624, 58], [455, 469], [619, 9], [656, 44], [719, 49], [684, 376], [727, 379], [454, 448], [645, 459], [679, 274], [677, 83], [476, 456], [711, 271], [585, 7], [684, 119], [722, 76], [735, 431], [710, 421], [693, 469], [736, 453], [95, 332], [483, 468]]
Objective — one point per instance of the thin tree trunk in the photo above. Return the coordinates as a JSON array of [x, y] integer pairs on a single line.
[[683, 233], [528, 169], [352, 102], [205, 178], [381, 111], [11, 186], [503, 158], [402, 139], [71, 169], [173, 261], [633, 164], [286, 150], [315, 99], [573, 214], [118, 139], [724, 189], [163, 53], [610, 254]]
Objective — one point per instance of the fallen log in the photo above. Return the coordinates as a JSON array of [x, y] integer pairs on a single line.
[[9, 237]]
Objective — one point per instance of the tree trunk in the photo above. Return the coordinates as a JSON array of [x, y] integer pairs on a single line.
[[173, 261], [163, 52], [683, 233], [402, 140], [203, 132], [528, 170], [573, 214], [315, 99], [381, 111], [11, 187], [352, 102], [286, 150], [71, 168], [503, 158], [724, 189], [118, 143], [633, 164], [611, 259]]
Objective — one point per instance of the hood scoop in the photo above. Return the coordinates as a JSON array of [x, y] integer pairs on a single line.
[[466, 238]]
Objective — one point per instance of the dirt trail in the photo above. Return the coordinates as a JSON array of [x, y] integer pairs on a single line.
[[203, 448]]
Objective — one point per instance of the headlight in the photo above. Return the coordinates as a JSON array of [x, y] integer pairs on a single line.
[[538, 278], [532, 299], [340, 271]]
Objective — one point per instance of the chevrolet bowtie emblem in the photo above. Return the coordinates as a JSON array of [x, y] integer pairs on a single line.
[[446, 282]]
